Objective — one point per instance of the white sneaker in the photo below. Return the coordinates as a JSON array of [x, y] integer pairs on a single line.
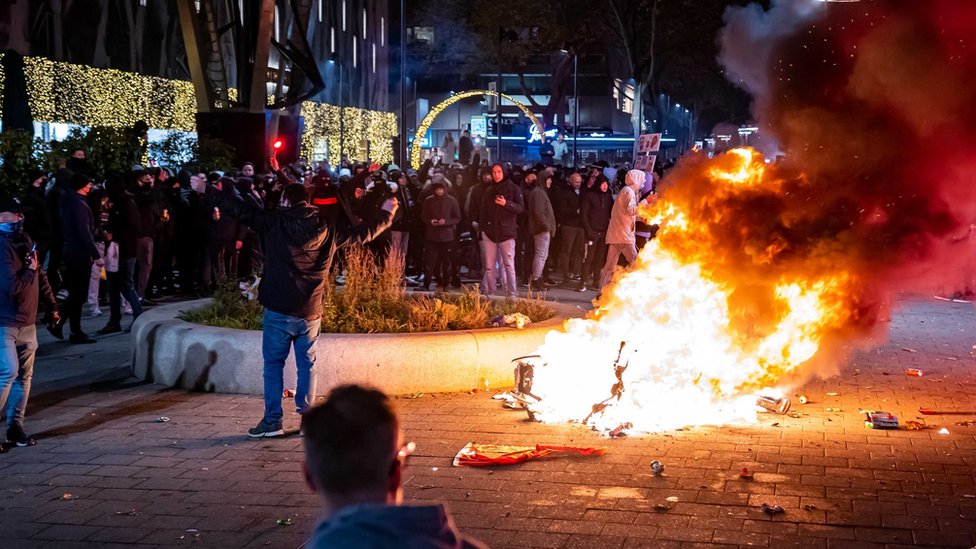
[[96, 311]]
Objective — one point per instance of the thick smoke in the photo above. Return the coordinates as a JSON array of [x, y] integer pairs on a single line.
[[874, 104]]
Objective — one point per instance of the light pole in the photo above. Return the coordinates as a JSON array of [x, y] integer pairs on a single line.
[[403, 83], [336, 59], [576, 104]]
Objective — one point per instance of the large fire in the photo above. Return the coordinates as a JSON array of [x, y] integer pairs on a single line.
[[765, 274], [675, 326]]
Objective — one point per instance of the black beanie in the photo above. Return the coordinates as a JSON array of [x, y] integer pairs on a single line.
[[78, 181]]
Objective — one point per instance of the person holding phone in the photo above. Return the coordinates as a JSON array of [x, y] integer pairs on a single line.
[[500, 206], [22, 284]]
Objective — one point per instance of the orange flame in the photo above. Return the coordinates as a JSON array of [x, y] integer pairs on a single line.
[[701, 322]]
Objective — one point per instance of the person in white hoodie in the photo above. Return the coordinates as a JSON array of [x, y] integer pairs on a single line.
[[621, 237], [354, 459]]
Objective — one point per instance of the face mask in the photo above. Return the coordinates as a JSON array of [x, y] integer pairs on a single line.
[[12, 228]]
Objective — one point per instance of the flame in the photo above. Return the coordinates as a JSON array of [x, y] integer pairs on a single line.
[[702, 321]]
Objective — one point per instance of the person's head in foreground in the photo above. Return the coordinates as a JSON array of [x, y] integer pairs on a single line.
[[354, 457]]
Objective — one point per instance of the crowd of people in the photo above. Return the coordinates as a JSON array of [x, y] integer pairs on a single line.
[[126, 239]]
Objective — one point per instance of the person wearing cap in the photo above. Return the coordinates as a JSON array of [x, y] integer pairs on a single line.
[[22, 284], [299, 247], [78, 228]]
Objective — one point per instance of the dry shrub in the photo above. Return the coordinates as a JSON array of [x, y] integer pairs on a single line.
[[374, 299]]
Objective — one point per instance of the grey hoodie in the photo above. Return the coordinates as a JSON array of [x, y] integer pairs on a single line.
[[374, 526]]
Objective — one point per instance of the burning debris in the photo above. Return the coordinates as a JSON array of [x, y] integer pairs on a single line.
[[762, 275]]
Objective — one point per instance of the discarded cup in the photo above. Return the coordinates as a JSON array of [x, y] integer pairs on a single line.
[[772, 509], [162, 419], [283, 522], [657, 467], [803, 399], [914, 372]]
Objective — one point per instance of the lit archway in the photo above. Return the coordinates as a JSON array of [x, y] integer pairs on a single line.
[[429, 119]]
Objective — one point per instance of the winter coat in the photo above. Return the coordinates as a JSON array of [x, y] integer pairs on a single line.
[[465, 148], [37, 222], [21, 288], [124, 223], [541, 217], [566, 204], [150, 212], [376, 526], [77, 228], [500, 223], [623, 218], [596, 209], [441, 207], [298, 251]]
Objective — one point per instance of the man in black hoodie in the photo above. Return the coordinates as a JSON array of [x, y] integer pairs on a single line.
[[597, 205], [123, 231], [78, 227], [22, 284], [498, 223], [299, 248]]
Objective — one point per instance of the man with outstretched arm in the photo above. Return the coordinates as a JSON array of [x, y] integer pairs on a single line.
[[299, 247]]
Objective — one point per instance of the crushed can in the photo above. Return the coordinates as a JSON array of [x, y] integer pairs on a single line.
[[777, 405]]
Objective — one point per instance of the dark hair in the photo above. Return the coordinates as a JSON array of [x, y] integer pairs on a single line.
[[350, 440], [295, 193]]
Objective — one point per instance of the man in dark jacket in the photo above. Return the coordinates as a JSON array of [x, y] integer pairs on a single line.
[[542, 224], [354, 460], [226, 240], [566, 203], [22, 284], [150, 223], [299, 248], [465, 148], [440, 213], [122, 230], [77, 228], [498, 223], [37, 218], [597, 205]]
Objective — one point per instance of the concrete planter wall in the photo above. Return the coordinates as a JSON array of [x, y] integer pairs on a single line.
[[173, 352]]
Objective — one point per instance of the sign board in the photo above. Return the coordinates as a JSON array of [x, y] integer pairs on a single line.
[[644, 148], [534, 133], [479, 126]]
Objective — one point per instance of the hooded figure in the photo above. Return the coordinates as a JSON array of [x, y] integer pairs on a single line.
[[620, 232], [498, 221]]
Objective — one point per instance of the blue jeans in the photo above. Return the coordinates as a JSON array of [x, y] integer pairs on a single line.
[[498, 255], [16, 369], [122, 284], [280, 333]]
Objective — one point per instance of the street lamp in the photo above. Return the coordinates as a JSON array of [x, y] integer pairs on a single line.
[[570, 49], [336, 59]]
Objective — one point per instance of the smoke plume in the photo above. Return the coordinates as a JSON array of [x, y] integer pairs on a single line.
[[875, 106]]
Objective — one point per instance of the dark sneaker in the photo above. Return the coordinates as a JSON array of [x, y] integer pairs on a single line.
[[110, 329], [16, 435], [266, 430], [81, 338]]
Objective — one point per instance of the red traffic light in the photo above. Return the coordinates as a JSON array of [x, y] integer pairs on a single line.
[[277, 143]]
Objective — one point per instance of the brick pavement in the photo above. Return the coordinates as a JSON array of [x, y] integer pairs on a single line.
[[196, 481]]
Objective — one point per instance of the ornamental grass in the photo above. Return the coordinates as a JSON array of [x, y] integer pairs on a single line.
[[374, 299]]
